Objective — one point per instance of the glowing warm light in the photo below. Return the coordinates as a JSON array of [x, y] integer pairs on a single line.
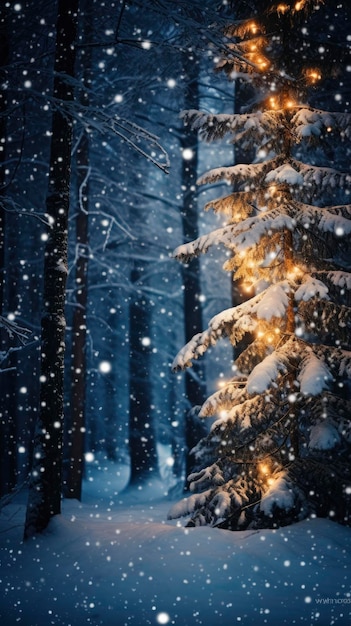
[[265, 471], [294, 273], [313, 76], [247, 287], [262, 63], [264, 468], [289, 104], [299, 5], [272, 335], [253, 27], [282, 8], [268, 335], [273, 102]]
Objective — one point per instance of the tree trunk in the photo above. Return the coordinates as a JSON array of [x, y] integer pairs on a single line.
[[77, 421], [142, 439], [4, 54], [44, 498], [7, 423], [73, 481], [194, 379]]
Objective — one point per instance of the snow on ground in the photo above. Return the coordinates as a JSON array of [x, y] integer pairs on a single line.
[[115, 560]]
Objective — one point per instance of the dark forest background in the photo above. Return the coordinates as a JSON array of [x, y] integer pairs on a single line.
[[133, 199]]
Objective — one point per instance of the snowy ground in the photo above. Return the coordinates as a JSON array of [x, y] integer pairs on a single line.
[[115, 560]]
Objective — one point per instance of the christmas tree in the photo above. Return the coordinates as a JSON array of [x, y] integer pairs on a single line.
[[279, 447]]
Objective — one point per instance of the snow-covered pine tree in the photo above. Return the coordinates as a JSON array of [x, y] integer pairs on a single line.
[[279, 448]]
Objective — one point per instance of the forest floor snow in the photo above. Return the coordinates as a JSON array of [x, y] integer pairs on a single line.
[[115, 560]]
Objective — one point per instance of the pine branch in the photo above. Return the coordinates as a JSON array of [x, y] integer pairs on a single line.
[[255, 127], [326, 319]]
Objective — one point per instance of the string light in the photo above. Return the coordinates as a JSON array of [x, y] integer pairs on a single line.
[[272, 335], [247, 287], [282, 8], [264, 469], [262, 63], [268, 335], [273, 102], [294, 272], [313, 76]]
